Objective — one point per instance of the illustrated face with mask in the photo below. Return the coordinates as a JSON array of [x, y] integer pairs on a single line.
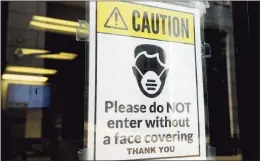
[[149, 69]]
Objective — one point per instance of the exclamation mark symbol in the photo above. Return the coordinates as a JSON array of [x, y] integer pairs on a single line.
[[116, 17]]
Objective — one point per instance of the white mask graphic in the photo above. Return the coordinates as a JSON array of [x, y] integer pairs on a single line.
[[151, 82]]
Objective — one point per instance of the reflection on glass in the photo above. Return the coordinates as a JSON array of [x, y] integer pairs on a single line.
[[55, 21], [33, 96], [55, 25], [26, 51], [62, 56], [32, 70], [24, 78], [47, 54]]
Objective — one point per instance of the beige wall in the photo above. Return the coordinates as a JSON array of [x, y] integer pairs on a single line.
[[33, 125]]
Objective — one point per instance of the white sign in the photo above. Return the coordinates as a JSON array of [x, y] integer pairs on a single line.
[[145, 82]]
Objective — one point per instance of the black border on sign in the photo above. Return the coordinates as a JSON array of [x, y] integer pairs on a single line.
[[95, 113]]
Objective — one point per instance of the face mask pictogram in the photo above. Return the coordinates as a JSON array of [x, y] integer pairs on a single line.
[[149, 69]]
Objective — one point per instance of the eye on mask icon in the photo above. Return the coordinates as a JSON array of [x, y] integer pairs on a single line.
[[149, 69]]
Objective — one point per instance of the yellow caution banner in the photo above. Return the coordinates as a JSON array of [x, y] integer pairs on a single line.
[[138, 20]]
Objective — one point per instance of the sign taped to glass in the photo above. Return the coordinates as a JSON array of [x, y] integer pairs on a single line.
[[145, 82]]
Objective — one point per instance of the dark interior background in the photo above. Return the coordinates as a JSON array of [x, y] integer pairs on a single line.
[[4, 20], [218, 105], [69, 82], [246, 20]]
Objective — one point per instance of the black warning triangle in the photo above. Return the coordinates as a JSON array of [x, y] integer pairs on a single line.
[[115, 20]]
